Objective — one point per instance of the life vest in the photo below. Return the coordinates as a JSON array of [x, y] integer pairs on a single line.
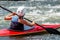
[[15, 25]]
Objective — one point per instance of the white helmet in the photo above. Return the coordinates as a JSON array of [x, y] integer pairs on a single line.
[[20, 11]]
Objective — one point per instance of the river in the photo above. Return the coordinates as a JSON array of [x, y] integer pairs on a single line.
[[42, 12]]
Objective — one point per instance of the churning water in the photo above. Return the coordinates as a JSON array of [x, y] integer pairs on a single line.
[[42, 12]]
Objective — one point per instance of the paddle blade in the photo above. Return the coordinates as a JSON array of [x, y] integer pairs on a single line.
[[52, 31]]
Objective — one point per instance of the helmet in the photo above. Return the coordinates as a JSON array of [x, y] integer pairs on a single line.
[[20, 11]]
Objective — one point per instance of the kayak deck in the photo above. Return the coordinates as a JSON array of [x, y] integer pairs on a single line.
[[6, 32]]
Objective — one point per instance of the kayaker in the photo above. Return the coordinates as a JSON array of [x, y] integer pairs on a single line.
[[18, 23]]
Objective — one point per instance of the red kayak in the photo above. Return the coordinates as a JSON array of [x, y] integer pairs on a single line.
[[6, 32]]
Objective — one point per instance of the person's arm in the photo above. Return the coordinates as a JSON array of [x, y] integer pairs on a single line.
[[27, 23], [9, 16]]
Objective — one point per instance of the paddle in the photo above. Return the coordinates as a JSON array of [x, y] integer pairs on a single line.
[[49, 30]]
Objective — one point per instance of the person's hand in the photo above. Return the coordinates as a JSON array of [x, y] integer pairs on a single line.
[[14, 13], [33, 22]]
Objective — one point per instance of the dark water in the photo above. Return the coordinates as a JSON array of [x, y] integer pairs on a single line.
[[30, 37], [46, 14]]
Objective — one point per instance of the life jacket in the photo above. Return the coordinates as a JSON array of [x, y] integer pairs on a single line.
[[15, 25]]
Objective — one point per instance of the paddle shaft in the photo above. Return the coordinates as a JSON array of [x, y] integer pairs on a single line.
[[6, 9], [49, 30]]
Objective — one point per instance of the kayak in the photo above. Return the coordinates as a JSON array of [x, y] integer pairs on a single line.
[[6, 32]]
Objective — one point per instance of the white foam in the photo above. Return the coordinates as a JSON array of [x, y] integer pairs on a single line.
[[19, 6]]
